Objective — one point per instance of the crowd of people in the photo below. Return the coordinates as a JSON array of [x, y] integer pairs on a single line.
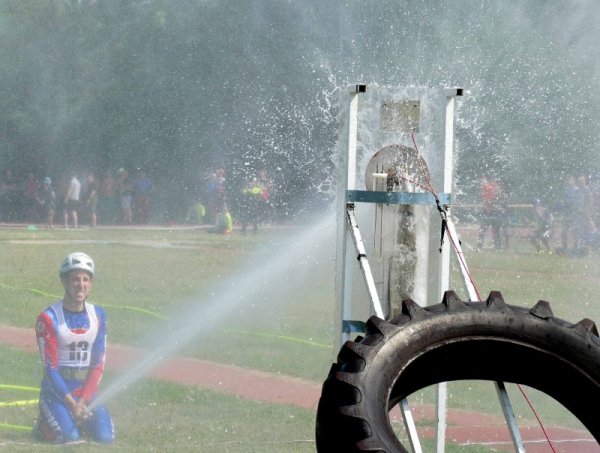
[[120, 197], [567, 228], [579, 232], [253, 203], [126, 197]]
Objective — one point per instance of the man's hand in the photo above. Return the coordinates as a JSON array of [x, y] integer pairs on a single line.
[[78, 409], [81, 412]]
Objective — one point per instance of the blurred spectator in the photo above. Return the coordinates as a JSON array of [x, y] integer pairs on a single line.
[[544, 230], [594, 185], [91, 194], [126, 187], [584, 206], [211, 197], [224, 223], [490, 191], [266, 207], [29, 204], [502, 217], [215, 194], [47, 201], [220, 189], [568, 209], [108, 203], [71, 202], [61, 190], [590, 239], [251, 203], [143, 189], [9, 197], [196, 213]]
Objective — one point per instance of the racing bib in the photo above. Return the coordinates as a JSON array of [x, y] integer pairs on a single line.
[[74, 349]]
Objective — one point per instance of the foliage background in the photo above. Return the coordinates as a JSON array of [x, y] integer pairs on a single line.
[[182, 87]]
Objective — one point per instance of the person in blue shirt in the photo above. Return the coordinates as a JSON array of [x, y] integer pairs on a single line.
[[544, 231]]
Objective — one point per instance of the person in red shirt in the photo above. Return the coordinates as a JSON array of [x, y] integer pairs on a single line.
[[491, 211]]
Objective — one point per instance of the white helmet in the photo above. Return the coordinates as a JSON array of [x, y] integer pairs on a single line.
[[74, 261]]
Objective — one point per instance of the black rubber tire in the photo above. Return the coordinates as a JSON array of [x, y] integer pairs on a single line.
[[450, 341]]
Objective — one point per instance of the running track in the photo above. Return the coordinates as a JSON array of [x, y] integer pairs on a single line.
[[463, 427]]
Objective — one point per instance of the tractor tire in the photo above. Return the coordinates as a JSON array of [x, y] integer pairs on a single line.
[[451, 341]]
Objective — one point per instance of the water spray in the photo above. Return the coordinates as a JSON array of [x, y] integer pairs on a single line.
[[220, 302]]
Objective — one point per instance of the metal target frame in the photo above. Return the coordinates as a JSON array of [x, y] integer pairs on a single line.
[[348, 197]]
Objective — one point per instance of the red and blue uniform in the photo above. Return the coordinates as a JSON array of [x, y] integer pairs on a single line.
[[72, 346]]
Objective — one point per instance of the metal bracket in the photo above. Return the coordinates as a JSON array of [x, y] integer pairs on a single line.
[[412, 198]]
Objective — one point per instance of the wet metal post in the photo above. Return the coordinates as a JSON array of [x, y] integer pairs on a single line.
[[444, 265], [346, 181]]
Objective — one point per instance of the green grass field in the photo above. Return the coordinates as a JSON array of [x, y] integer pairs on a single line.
[[249, 301]]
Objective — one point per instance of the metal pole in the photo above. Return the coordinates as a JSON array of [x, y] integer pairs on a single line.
[[346, 180], [410, 426], [444, 263], [509, 416], [440, 416], [353, 135]]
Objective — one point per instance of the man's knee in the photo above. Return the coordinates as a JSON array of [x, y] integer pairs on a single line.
[[103, 428]]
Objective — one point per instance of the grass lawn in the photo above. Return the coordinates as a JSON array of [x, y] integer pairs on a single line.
[[262, 301]]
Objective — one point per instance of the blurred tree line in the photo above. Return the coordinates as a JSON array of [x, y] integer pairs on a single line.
[[178, 88], [183, 87]]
